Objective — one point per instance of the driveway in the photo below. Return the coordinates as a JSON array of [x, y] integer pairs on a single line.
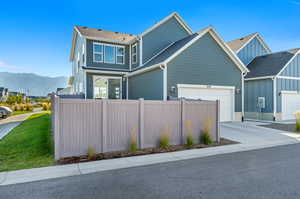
[[6, 125], [252, 133]]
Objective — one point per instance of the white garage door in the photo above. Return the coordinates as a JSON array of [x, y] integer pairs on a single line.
[[290, 103], [224, 94]]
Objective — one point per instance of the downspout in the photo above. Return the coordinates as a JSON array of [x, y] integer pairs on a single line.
[[274, 98], [163, 67], [243, 95]]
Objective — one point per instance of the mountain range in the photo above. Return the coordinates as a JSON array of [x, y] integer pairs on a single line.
[[31, 84]]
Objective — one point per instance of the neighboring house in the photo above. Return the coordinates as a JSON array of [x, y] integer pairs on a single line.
[[276, 79], [273, 82], [166, 61], [249, 47]]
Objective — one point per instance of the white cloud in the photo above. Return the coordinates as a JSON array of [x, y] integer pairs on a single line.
[[295, 2]]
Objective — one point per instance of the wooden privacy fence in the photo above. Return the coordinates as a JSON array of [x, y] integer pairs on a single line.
[[108, 125]]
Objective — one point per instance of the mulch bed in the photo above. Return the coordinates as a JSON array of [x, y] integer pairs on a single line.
[[282, 127], [121, 154]]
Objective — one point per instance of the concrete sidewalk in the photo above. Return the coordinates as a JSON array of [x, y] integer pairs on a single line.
[[251, 137]]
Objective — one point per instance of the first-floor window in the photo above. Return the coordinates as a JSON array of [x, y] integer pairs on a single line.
[[107, 87]]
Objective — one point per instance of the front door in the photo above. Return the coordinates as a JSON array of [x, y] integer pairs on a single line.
[[107, 87]]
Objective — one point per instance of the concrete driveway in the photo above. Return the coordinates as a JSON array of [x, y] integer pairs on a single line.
[[252, 133]]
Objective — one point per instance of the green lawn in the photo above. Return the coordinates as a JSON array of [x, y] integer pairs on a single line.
[[20, 112], [29, 145]]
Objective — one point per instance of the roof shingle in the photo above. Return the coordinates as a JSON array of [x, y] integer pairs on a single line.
[[236, 44]]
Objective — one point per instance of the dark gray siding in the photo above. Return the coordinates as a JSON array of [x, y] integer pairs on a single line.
[[161, 37], [285, 85], [293, 69], [252, 50], [90, 89], [255, 89], [205, 63], [90, 63], [133, 66], [147, 85]]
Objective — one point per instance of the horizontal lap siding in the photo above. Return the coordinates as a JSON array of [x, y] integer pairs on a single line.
[[205, 63], [162, 117], [148, 85], [253, 49], [161, 37], [255, 89]]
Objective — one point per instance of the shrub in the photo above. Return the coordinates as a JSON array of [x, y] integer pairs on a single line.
[[91, 153], [205, 136], [133, 141], [189, 137], [45, 106], [29, 107], [164, 141], [297, 116]]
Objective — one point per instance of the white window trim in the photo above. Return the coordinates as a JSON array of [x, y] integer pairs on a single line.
[[98, 53], [134, 54], [110, 77], [123, 47], [103, 53]]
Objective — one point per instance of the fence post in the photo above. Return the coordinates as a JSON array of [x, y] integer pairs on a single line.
[[141, 123], [56, 118], [104, 125], [218, 120], [182, 104]]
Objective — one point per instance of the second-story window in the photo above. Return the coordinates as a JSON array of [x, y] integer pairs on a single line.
[[109, 54], [98, 52], [134, 53], [120, 52]]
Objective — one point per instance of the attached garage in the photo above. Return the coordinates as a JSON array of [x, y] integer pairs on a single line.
[[290, 104], [205, 92]]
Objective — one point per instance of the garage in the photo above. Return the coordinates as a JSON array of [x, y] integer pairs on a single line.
[[206, 92], [290, 104]]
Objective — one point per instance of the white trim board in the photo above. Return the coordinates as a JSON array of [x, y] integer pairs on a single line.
[[289, 92], [259, 38], [288, 77], [105, 72], [204, 86], [258, 78], [176, 16]]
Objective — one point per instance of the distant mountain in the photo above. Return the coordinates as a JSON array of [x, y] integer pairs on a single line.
[[30, 83]]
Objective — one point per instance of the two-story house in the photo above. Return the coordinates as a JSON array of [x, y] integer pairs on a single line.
[[166, 61], [273, 84]]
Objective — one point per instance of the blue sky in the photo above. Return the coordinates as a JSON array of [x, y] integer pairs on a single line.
[[35, 36]]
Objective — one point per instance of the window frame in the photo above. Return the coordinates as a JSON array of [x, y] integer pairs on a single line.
[[134, 54], [98, 53], [123, 55], [109, 45]]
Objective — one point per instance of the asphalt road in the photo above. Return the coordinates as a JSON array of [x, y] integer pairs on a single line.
[[268, 173]]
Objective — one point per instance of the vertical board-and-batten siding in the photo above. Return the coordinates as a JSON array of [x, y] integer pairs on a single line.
[[255, 89], [162, 36], [137, 64], [90, 62], [108, 125], [204, 63], [253, 49], [292, 70], [148, 85]]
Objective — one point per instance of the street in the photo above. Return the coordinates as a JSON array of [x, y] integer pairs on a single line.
[[266, 173]]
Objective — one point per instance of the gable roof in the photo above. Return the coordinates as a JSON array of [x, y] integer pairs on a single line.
[[177, 47], [271, 64], [238, 44], [176, 16]]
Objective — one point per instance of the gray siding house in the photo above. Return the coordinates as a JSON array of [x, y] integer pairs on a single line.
[[166, 61], [272, 86]]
